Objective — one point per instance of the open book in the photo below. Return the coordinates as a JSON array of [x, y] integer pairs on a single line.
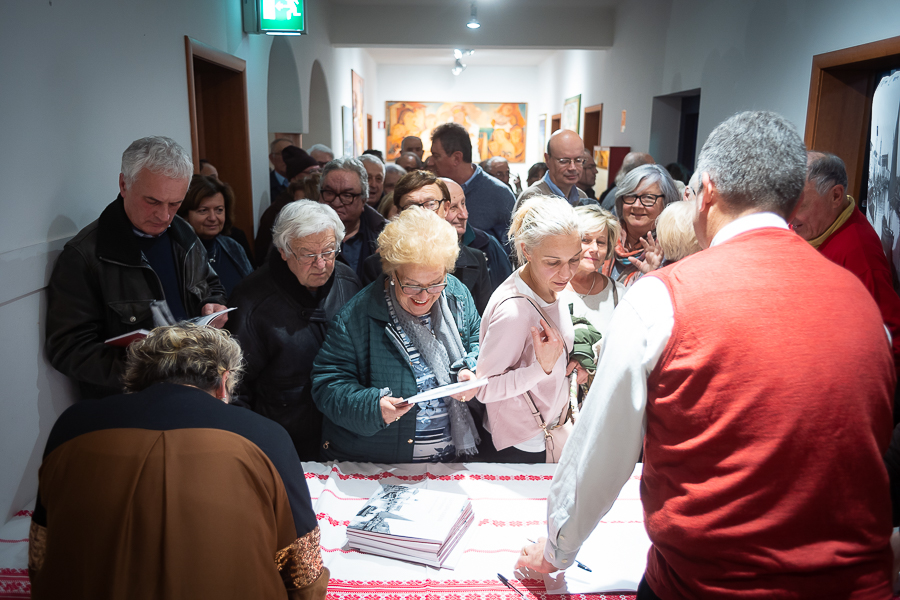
[[138, 334]]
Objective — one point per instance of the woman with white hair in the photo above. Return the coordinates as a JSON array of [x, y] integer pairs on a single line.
[[640, 199], [413, 329], [284, 310], [527, 334], [675, 232]]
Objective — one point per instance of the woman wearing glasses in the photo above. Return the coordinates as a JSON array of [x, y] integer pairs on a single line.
[[413, 329], [282, 316], [640, 199], [527, 333], [425, 190]]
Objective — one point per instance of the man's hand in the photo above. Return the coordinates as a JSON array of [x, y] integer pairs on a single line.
[[532, 557], [464, 375], [218, 322], [391, 413]]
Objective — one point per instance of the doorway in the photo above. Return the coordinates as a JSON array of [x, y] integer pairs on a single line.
[[593, 126], [555, 123], [673, 128], [220, 133]]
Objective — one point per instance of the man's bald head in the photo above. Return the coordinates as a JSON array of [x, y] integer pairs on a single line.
[[409, 161], [412, 143], [565, 159], [632, 161]]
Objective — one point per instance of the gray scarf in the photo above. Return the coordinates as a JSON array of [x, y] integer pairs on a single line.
[[439, 351]]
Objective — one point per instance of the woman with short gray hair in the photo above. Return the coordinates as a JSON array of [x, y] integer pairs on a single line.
[[284, 310], [640, 198]]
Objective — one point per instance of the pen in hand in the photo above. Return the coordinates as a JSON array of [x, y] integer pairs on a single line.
[[578, 563], [506, 582]]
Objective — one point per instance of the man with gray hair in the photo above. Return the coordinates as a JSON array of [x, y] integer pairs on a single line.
[[321, 153], [375, 170], [392, 174], [828, 219], [737, 371], [138, 253], [412, 143], [344, 186]]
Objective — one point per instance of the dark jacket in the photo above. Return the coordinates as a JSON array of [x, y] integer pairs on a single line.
[[499, 267], [263, 242], [370, 225], [471, 269], [281, 327], [360, 357], [234, 252], [102, 286]]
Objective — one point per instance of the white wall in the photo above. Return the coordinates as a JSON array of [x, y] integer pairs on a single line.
[[419, 83]]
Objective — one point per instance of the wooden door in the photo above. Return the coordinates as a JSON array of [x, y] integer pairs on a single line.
[[555, 123], [593, 126]]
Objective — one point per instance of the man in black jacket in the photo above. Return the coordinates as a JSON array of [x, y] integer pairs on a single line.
[[138, 252]]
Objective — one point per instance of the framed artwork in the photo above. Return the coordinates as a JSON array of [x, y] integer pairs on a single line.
[[542, 133], [359, 114], [495, 128], [883, 193], [571, 114], [347, 122]]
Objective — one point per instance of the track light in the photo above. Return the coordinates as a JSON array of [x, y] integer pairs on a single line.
[[473, 22], [459, 55], [459, 68]]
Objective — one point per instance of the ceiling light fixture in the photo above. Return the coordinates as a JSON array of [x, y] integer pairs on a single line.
[[458, 68], [458, 54], [473, 22]]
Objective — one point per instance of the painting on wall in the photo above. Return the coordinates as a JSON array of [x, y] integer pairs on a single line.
[[347, 122], [359, 114], [542, 132], [571, 114], [883, 194], [495, 128]]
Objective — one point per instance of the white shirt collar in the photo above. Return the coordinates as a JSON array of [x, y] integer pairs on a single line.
[[748, 223]]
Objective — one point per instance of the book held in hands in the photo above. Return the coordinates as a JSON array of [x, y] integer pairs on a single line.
[[412, 524]]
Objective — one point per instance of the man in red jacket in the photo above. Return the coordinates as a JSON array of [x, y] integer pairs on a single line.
[[760, 375], [829, 220]]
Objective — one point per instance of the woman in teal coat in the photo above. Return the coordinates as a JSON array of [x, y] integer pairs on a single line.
[[411, 330]]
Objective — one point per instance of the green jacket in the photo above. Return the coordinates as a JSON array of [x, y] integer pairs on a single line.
[[358, 358]]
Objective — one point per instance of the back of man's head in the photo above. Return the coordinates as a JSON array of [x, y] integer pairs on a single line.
[[825, 171], [757, 161], [453, 138], [186, 355], [157, 154], [632, 161]]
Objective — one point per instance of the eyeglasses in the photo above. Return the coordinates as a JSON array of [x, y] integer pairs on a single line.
[[647, 200], [565, 162], [434, 205], [415, 290], [311, 259], [346, 196]]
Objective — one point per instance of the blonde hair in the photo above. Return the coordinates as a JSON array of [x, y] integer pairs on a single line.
[[675, 231], [538, 218], [418, 236], [592, 218], [185, 354]]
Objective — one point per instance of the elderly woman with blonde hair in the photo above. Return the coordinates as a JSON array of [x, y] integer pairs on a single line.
[[675, 232], [411, 330]]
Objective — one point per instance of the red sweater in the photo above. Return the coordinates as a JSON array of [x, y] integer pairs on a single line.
[[767, 417], [856, 247]]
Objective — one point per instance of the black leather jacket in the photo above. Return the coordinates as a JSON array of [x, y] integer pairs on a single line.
[[281, 327], [102, 286]]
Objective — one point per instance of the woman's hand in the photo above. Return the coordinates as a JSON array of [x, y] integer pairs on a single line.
[[653, 255], [465, 375], [532, 557], [391, 413], [581, 374], [548, 346]]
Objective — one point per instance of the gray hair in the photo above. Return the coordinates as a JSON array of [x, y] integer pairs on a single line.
[[592, 219], [538, 218], [648, 175], [347, 164], [276, 141], [632, 161], [392, 168], [756, 161], [368, 158], [157, 154], [489, 163], [321, 148], [826, 170], [301, 218]]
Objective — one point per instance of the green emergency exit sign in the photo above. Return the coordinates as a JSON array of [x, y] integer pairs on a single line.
[[275, 17]]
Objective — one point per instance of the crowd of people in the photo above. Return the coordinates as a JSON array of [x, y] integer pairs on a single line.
[[369, 283]]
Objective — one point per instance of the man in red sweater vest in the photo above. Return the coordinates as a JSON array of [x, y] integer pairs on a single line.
[[828, 219], [761, 377]]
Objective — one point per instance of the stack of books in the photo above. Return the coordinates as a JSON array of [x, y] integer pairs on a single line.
[[411, 524]]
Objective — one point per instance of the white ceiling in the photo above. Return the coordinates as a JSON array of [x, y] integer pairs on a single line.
[[440, 56]]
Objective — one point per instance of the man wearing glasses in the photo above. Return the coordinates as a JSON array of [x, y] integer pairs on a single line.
[[565, 165], [345, 188]]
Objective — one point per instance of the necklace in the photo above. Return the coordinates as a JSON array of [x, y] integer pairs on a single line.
[[593, 281]]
